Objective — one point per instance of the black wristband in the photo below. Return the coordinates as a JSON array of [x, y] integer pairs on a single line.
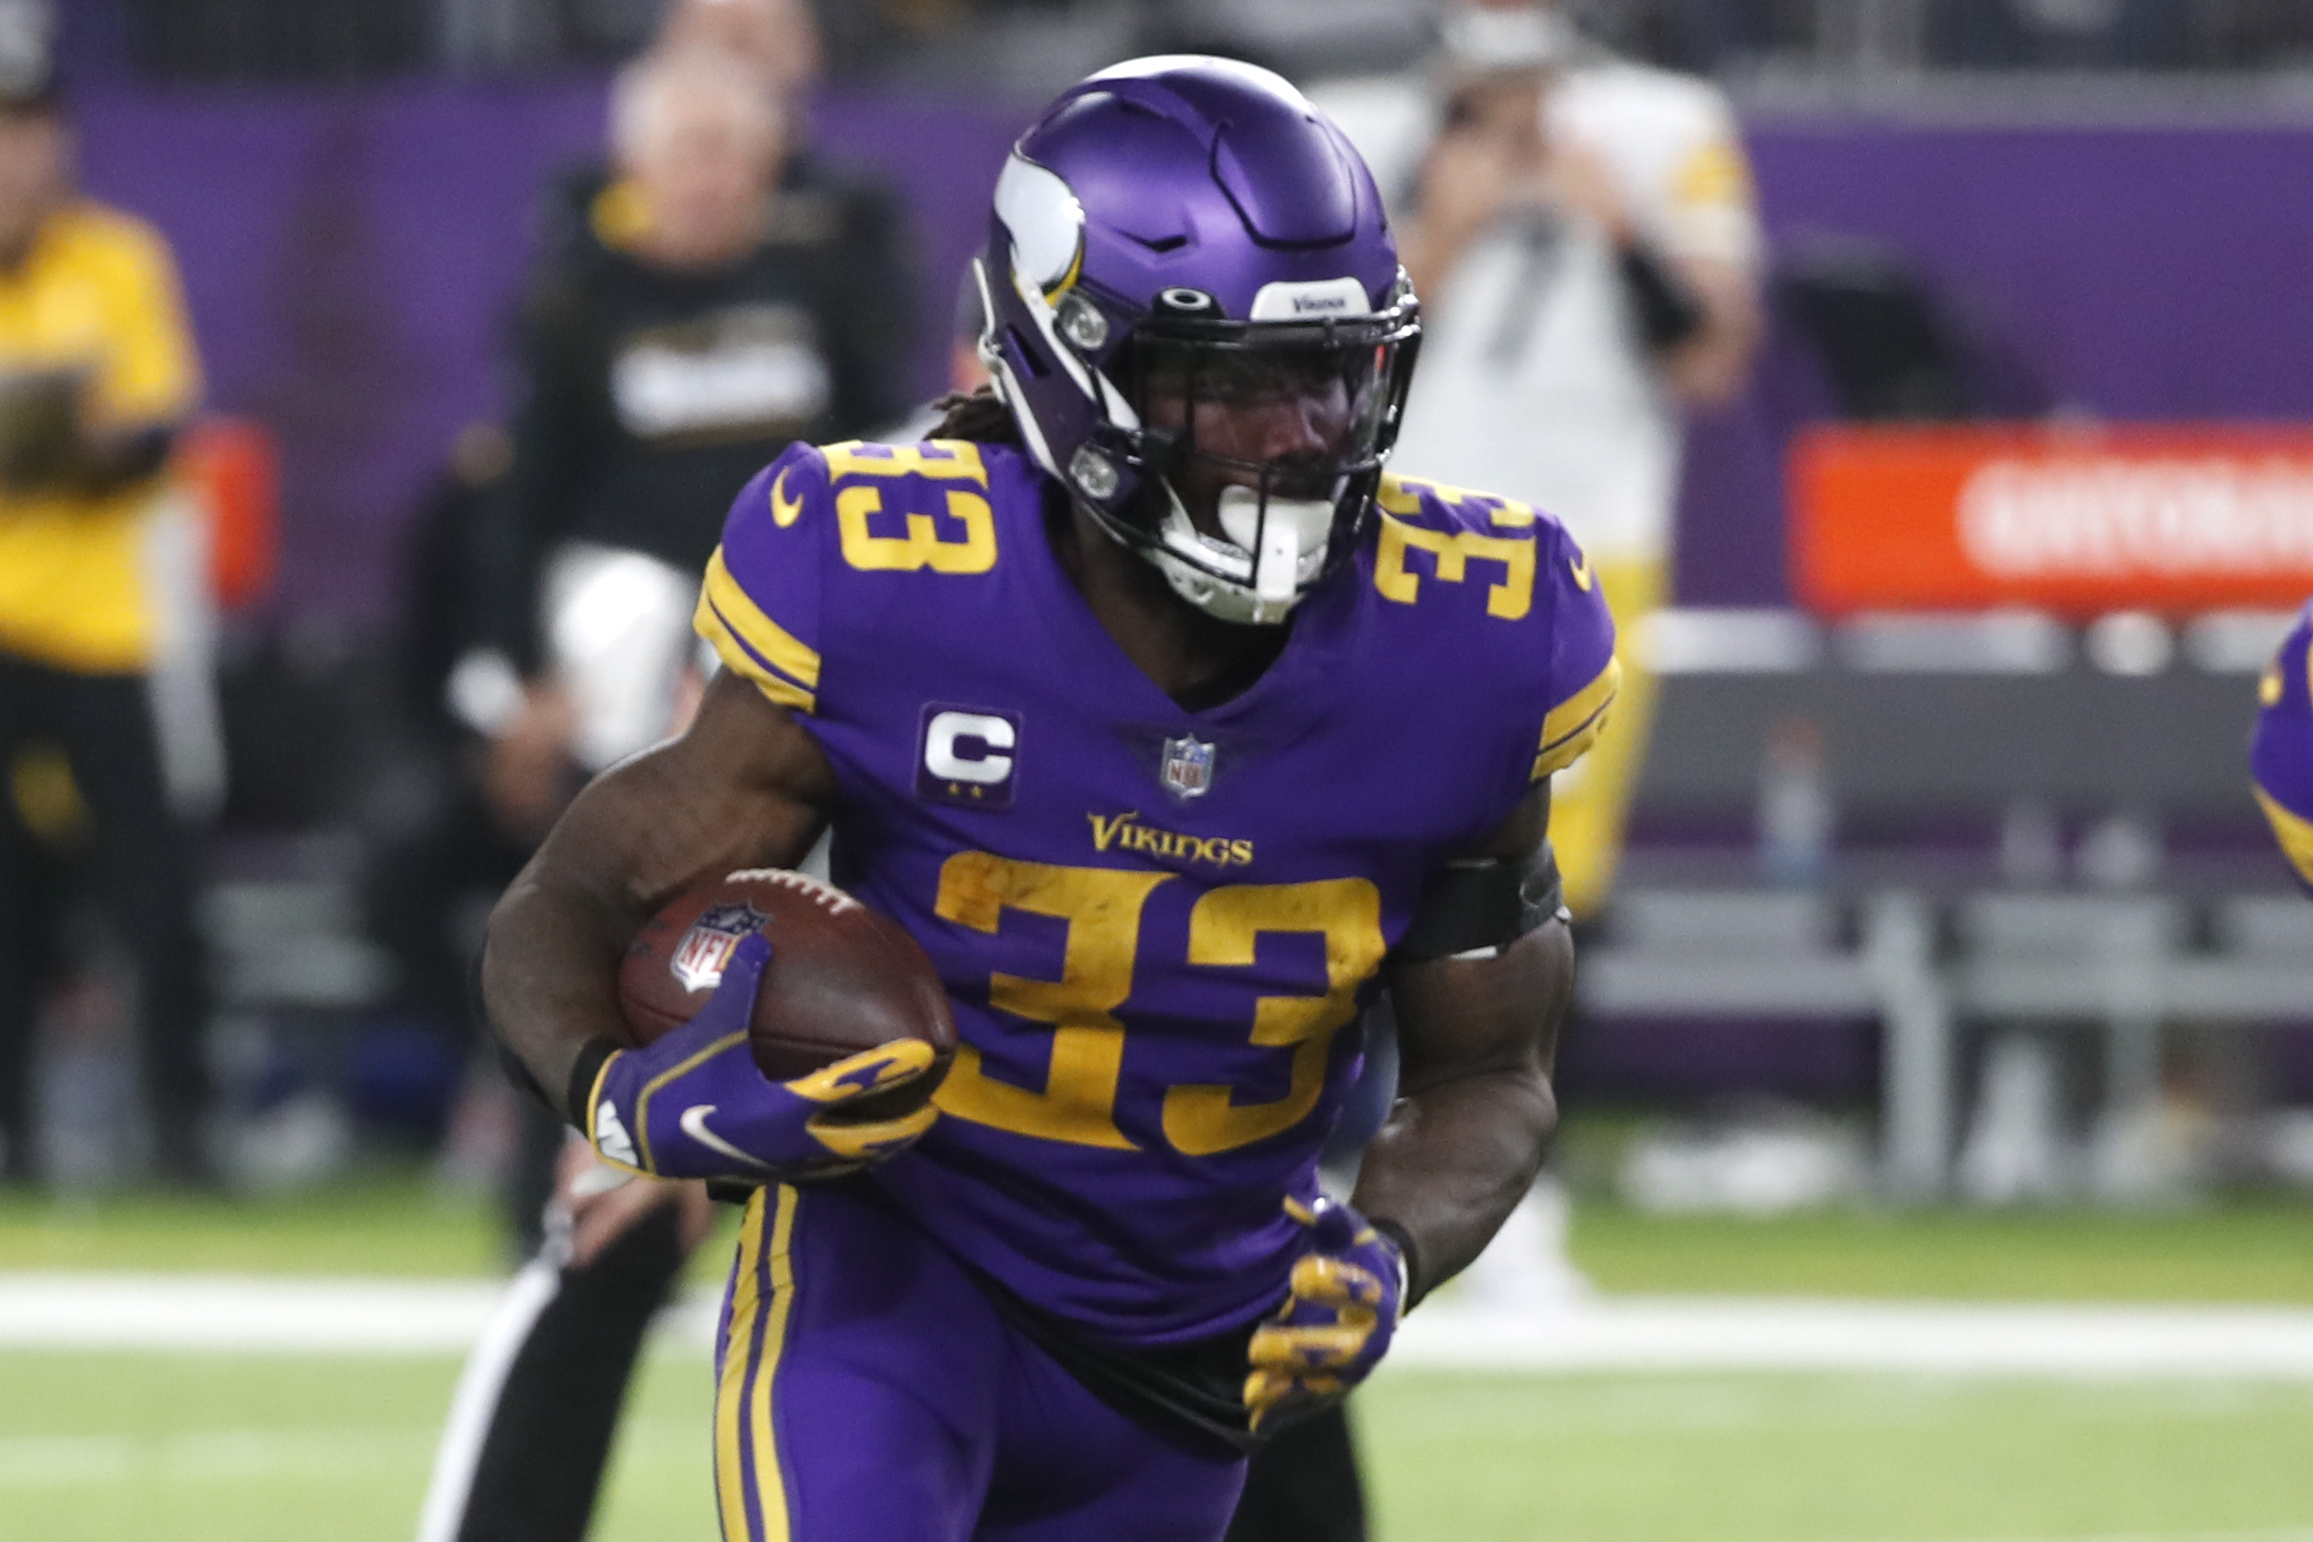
[[578, 1101], [1667, 314], [1414, 1288]]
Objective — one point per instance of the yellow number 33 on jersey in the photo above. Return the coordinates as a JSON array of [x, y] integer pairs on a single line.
[[962, 540], [1102, 908]]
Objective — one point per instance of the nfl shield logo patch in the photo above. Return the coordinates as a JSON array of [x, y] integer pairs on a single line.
[[706, 947], [1187, 770]]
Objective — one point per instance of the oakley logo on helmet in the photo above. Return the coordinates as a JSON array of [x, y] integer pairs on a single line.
[[1327, 297]]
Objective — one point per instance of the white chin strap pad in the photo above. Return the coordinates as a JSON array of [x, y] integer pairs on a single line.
[[1282, 544]]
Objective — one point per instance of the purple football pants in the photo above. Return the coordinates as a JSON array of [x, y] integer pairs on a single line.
[[867, 1391]]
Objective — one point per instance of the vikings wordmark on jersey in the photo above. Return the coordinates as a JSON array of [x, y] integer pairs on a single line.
[[1157, 959]]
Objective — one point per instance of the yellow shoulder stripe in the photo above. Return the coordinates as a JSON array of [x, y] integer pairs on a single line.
[[780, 648], [709, 623], [2293, 831], [1576, 723]]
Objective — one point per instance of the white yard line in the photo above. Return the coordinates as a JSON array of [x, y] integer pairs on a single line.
[[231, 1455], [1678, 1333], [50, 1461], [226, 1313], [235, 1313]]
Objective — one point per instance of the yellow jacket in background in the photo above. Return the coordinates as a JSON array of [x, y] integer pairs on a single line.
[[97, 292]]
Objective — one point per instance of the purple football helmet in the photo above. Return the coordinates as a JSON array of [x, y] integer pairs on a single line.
[[1179, 235]]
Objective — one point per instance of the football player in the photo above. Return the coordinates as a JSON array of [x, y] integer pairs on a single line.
[[1174, 730], [2281, 751]]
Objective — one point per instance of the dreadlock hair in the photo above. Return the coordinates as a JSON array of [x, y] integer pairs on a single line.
[[979, 416]]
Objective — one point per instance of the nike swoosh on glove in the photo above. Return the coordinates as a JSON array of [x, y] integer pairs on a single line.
[[693, 1104], [1342, 1304]]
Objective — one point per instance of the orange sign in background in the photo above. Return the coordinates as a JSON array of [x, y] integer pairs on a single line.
[[2177, 518], [233, 468]]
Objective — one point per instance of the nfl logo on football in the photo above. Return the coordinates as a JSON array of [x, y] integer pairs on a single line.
[[706, 947], [1188, 767]]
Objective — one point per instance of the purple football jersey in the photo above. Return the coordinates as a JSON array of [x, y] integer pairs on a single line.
[[1158, 925], [2281, 750]]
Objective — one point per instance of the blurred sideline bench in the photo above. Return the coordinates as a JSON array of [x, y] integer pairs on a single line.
[[2007, 730]]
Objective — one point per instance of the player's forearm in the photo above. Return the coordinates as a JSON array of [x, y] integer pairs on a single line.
[[631, 840], [1453, 1162], [550, 959], [1478, 1039], [742, 788]]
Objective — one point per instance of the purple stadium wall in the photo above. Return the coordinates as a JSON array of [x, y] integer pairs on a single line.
[[350, 259]]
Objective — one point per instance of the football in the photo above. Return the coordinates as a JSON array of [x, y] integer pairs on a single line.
[[842, 978]]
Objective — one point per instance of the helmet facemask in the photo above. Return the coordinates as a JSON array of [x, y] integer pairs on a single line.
[[1268, 440]]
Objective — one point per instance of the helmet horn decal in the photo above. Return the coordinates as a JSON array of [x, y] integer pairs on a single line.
[[1046, 222]]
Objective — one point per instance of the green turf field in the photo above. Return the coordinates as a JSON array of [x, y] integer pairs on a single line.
[[243, 1448], [252, 1449], [2243, 1250]]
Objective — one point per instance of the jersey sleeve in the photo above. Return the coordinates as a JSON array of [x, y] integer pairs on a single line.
[[1708, 209], [760, 607], [1679, 156], [1584, 674], [2281, 748]]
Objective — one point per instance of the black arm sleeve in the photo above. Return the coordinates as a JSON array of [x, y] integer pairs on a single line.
[[1667, 313], [1488, 903]]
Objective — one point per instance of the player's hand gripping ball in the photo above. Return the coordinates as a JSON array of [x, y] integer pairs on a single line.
[[822, 1035], [1341, 1307]]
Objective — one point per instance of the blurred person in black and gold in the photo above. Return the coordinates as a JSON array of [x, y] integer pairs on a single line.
[[710, 316], [97, 369], [851, 219], [720, 298]]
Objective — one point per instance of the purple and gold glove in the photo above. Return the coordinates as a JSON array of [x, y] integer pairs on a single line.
[[693, 1104], [1341, 1307]]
